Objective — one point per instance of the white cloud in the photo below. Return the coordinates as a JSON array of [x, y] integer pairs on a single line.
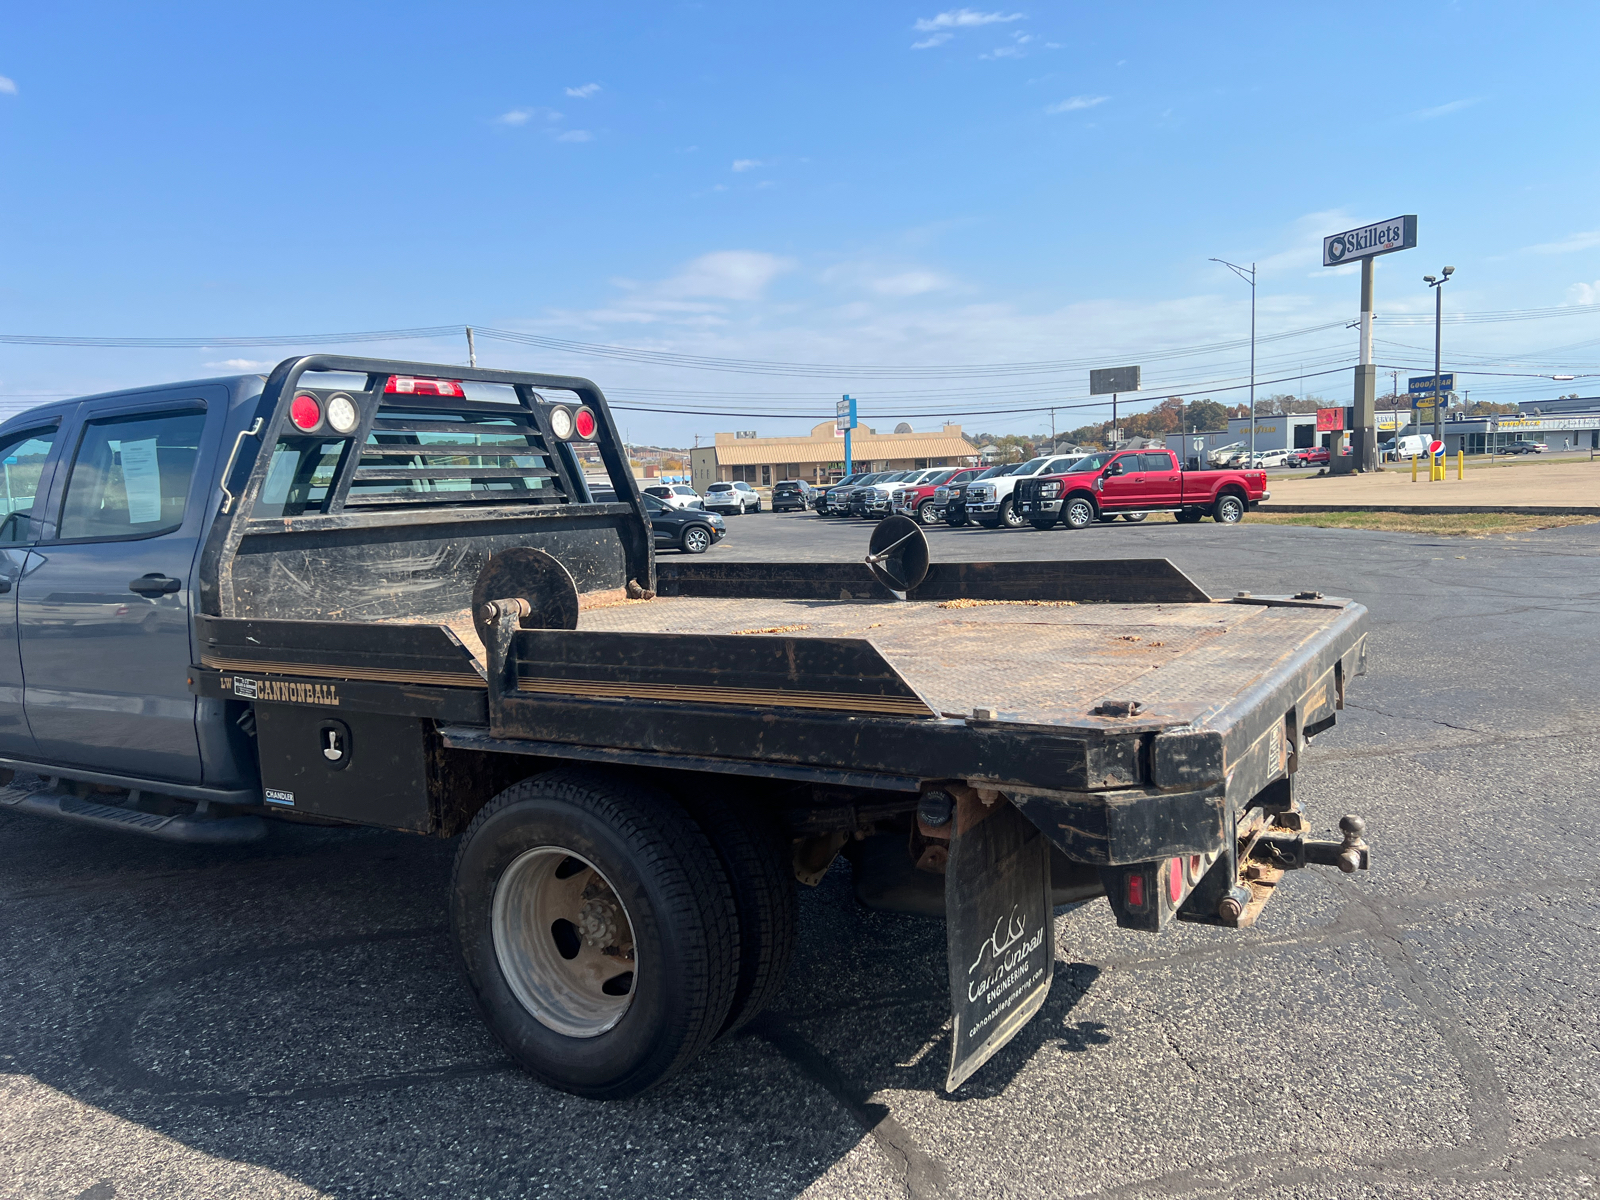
[[1585, 293], [584, 92], [745, 164], [8, 87], [937, 39], [909, 283], [727, 275], [521, 116], [1076, 104], [1577, 241], [1443, 110], [575, 135], [243, 364], [964, 18]]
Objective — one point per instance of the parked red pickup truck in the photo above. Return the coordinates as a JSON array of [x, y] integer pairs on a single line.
[[1137, 481]]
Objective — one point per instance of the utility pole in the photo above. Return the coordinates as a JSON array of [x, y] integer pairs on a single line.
[[472, 351], [1250, 278]]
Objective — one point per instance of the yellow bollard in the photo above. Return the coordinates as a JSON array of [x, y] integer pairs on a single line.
[[1413, 468], [1461, 464]]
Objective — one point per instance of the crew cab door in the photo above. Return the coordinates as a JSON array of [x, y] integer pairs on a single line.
[[103, 607], [1162, 482], [27, 458], [1125, 490]]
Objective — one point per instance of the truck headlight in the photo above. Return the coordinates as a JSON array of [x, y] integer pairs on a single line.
[[1049, 491]]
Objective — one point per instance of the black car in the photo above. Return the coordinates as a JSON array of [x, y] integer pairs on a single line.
[[790, 494], [692, 530], [825, 496]]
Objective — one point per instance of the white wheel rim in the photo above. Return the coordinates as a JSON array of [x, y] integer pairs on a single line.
[[1080, 513], [563, 937], [696, 539]]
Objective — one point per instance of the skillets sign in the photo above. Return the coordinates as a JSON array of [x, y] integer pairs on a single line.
[[1384, 237]]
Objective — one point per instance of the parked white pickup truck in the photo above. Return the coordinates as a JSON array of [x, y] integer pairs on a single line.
[[989, 500]]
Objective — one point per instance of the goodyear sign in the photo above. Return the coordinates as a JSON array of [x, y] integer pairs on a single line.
[[1384, 237]]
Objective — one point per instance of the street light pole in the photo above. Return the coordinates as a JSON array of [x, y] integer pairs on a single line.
[[1250, 278], [1437, 284]]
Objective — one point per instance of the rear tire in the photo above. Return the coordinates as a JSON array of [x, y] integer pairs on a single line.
[[1043, 526], [1188, 516], [1108, 517], [1229, 510], [1078, 512], [644, 888], [755, 858], [1134, 518], [956, 522]]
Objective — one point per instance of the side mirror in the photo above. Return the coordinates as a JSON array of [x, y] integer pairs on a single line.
[[1115, 468]]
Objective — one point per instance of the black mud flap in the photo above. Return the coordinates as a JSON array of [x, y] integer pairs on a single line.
[[998, 925]]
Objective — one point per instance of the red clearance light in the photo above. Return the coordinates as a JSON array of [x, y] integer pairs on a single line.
[[1175, 880], [1135, 890], [583, 421], [305, 412], [416, 385]]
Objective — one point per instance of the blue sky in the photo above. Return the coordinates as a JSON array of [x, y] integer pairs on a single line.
[[898, 185]]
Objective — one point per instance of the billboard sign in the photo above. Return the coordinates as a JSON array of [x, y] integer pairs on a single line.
[[1384, 237], [1330, 420], [1423, 385], [1107, 380], [745, 433]]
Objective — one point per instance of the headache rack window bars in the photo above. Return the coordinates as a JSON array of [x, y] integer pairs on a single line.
[[453, 454]]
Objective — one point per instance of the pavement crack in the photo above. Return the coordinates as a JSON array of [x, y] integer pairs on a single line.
[[922, 1177], [1431, 720]]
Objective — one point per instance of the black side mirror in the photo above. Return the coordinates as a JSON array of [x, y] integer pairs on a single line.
[[1115, 468]]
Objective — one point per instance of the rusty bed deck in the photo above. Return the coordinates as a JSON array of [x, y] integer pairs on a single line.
[[1046, 663]]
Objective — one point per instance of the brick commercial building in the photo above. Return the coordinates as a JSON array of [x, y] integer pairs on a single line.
[[819, 458]]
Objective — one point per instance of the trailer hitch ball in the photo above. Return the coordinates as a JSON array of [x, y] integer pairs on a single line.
[[1353, 856]]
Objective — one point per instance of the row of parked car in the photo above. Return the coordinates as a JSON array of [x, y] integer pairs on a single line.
[[1075, 490]]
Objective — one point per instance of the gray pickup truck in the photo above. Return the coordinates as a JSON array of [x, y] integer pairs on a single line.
[[382, 593]]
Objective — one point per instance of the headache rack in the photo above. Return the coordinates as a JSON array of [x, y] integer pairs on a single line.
[[451, 464]]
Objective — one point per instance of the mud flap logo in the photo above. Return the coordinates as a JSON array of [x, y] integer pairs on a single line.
[[244, 687], [997, 922], [278, 796]]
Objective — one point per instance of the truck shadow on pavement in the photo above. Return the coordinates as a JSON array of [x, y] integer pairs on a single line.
[[294, 1009]]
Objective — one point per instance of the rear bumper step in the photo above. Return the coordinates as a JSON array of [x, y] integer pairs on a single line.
[[182, 827]]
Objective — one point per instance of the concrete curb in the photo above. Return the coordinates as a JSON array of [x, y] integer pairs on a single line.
[[1533, 510]]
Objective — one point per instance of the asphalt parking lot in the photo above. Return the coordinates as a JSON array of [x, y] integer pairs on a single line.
[[285, 1020]]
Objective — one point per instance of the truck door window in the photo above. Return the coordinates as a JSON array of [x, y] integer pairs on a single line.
[[24, 456], [131, 476], [1157, 462]]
